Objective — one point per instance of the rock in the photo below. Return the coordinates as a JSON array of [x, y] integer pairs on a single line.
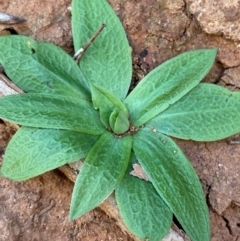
[[220, 17], [218, 167], [46, 20], [231, 77]]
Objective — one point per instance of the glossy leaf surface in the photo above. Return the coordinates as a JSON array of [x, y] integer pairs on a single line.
[[207, 113], [33, 151], [167, 84], [107, 62], [143, 211], [41, 67], [51, 111], [102, 170], [175, 180]]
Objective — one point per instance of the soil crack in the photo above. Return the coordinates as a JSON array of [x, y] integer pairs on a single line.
[[227, 225]]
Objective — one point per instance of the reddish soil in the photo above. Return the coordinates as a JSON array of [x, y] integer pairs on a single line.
[[37, 209]]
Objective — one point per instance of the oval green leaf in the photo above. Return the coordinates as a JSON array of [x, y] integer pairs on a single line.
[[175, 180], [143, 211], [51, 111], [41, 67], [207, 113], [107, 62], [34, 151], [167, 84], [102, 170]]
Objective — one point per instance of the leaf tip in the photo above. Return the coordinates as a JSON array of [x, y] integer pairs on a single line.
[[71, 217], [212, 52], [72, 214]]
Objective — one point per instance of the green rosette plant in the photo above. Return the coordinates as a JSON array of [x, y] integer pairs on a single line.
[[73, 111]]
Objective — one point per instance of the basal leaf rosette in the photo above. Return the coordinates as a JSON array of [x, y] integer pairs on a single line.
[[71, 112]]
